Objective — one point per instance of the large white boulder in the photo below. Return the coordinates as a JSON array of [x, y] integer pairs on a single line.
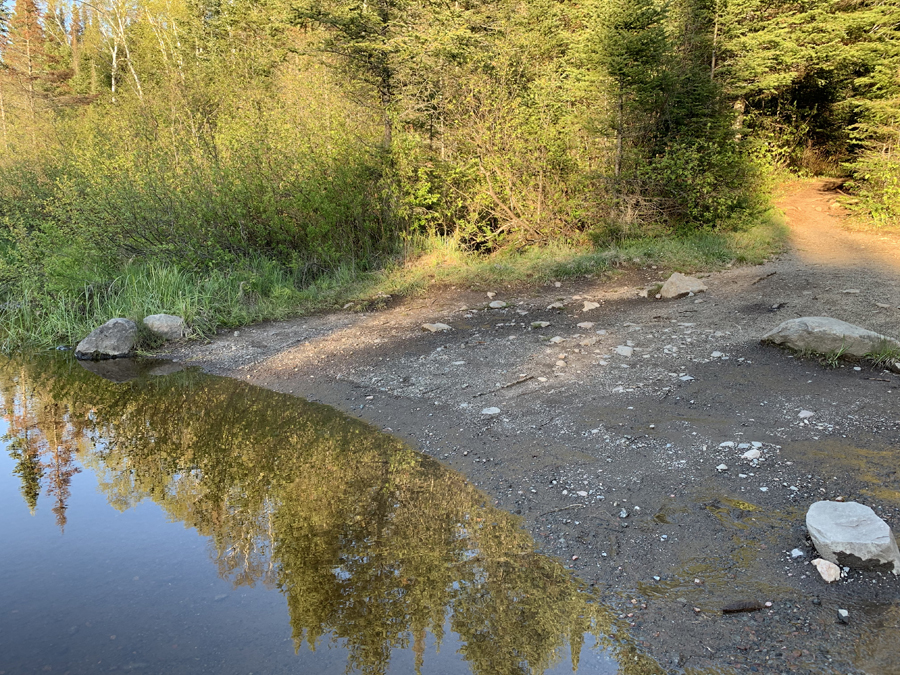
[[679, 285], [112, 340], [851, 535], [824, 335], [166, 326]]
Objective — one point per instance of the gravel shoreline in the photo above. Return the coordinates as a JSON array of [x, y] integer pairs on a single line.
[[610, 438]]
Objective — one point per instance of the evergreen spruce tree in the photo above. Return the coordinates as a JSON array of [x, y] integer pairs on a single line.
[[630, 44], [366, 36], [26, 54]]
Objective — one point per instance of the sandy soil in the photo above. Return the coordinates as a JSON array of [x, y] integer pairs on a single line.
[[611, 460]]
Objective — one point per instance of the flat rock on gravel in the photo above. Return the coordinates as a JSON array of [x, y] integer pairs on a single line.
[[679, 285], [824, 335], [851, 534]]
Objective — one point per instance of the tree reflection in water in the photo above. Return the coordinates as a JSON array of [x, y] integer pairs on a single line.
[[370, 542]]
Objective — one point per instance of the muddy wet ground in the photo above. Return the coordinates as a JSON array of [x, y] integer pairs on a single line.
[[611, 460]]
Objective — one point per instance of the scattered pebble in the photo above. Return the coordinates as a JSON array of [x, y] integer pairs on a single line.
[[490, 411], [843, 616], [805, 414], [497, 304], [722, 467], [587, 325], [540, 324], [622, 350], [436, 327], [588, 306]]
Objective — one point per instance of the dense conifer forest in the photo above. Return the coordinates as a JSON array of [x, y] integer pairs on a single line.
[[253, 148]]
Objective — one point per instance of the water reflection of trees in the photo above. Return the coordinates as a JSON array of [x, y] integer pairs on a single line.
[[370, 542], [40, 440]]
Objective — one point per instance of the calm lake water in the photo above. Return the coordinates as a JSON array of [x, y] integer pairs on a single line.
[[174, 522]]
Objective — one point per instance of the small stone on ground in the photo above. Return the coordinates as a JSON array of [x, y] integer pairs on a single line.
[[828, 570], [678, 285]]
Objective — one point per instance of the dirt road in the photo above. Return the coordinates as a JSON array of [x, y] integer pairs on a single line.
[[610, 454]]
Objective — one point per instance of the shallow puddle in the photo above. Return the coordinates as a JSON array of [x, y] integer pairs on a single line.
[[876, 468], [171, 522], [735, 570]]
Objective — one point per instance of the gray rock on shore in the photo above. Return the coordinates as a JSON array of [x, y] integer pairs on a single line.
[[166, 326], [850, 534], [114, 339], [824, 335], [679, 285]]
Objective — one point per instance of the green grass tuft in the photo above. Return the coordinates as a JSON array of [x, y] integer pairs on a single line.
[[885, 356], [258, 289]]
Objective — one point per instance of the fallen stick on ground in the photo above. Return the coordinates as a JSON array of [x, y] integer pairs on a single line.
[[504, 386], [762, 278]]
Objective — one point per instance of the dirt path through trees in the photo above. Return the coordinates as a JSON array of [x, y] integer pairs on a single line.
[[818, 237]]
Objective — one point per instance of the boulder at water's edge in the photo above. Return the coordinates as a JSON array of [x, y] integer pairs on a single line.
[[166, 326], [112, 340]]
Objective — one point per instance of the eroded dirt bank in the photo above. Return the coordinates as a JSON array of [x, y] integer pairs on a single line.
[[612, 460]]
